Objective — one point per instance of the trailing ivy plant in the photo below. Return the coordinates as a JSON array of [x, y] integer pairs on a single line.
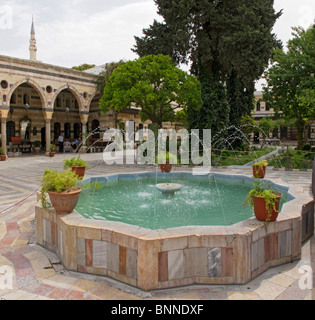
[[269, 193]]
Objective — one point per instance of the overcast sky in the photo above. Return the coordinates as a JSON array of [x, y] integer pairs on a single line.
[[73, 32]]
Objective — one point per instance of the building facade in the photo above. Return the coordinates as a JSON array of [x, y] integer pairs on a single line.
[[39, 101]]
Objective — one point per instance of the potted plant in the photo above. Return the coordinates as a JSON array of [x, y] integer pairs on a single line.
[[52, 150], [62, 190], [264, 200], [168, 158], [259, 169], [3, 156], [37, 145], [77, 165]]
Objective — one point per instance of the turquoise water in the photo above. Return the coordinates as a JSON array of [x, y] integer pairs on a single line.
[[201, 201]]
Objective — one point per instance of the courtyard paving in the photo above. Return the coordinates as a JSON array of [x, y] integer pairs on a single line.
[[39, 275]]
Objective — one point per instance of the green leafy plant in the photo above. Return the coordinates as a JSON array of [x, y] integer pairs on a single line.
[[52, 148], [60, 182], [78, 162], [269, 193], [170, 158], [2, 151], [261, 163], [37, 144]]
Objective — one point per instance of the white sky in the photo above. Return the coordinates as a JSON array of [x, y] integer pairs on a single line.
[[73, 32]]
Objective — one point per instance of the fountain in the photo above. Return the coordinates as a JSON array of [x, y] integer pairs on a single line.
[[179, 253], [169, 189]]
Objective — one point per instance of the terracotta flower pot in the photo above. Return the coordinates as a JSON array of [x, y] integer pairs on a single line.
[[79, 170], [51, 154], [3, 157], [261, 211], [166, 167], [64, 202], [259, 171]]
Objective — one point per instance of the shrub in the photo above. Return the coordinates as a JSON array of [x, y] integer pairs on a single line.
[[58, 182], [78, 162]]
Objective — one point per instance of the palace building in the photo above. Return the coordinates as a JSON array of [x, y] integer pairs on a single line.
[[38, 101]]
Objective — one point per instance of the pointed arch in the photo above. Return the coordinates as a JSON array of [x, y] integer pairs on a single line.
[[93, 96], [33, 84], [73, 90]]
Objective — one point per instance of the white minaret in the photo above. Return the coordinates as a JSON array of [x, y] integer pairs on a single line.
[[33, 47]]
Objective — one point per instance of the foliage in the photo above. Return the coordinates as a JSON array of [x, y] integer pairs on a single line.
[[61, 182], [52, 148], [78, 162], [269, 193], [158, 39], [291, 82], [237, 157], [228, 44], [240, 99], [104, 76], [294, 159], [83, 67], [37, 144], [2, 151], [261, 163], [210, 115], [153, 84], [182, 117], [167, 157], [266, 125]]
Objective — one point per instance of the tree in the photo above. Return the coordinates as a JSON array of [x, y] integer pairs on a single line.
[[104, 76], [226, 42], [290, 80], [155, 86], [266, 125], [83, 67], [158, 39]]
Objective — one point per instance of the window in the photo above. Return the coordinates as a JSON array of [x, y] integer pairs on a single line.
[[67, 130], [258, 106], [49, 89], [13, 99], [4, 84], [267, 106], [96, 129], [10, 130], [76, 130], [26, 99], [57, 130]]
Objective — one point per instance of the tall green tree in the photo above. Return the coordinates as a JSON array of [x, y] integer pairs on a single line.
[[227, 42], [291, 81], [102, 79], [154, 85]]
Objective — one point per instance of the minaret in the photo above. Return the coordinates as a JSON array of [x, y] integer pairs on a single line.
[[33, 47]]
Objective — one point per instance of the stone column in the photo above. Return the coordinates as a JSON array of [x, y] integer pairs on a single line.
[[4, 116], [84, 120], [48, 116]]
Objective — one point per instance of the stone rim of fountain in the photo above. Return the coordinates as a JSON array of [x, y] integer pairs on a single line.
[[79, 241]]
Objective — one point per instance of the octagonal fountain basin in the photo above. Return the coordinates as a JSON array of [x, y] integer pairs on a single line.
[[129, 231], [159, 201]]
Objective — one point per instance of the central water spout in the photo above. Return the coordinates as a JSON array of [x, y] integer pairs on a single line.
[[169, 189]]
